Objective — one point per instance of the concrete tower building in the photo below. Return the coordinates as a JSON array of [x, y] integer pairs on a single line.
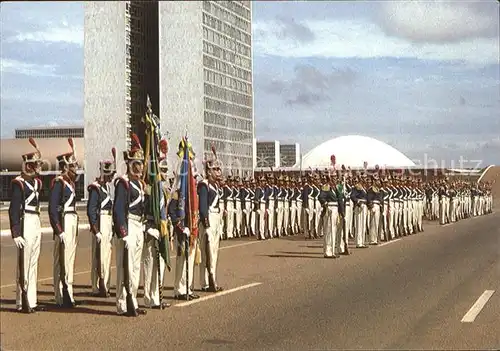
[[193, 58]]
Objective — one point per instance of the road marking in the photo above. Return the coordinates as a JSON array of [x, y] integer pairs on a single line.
[[224, 292], [113, 267], [471, 315], [242, 244], [389, 242]]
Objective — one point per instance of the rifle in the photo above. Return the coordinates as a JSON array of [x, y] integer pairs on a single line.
[[131, 311], [24, 291]]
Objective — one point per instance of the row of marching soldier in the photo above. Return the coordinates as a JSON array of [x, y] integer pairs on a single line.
[[122, 224], [336, 206]]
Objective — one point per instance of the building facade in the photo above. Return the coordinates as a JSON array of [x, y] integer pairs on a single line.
[[289, 155], [121, 69], [268, 154], [206, 83], [50, 132], [193, 58]]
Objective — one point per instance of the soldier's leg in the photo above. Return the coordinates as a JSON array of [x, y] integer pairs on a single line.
[[121, 302], [106, 248], [135, 249], [70, 228], [34, 255], [149, 269], [327, 235]]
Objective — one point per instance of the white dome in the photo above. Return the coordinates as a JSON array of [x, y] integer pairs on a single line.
[[352, 151]]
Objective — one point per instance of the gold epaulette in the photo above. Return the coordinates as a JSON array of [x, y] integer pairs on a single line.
[[359, 186], [147, 190], [326, 187]]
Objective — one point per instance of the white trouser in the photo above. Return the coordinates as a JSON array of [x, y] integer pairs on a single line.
[[259, 220], [444, 206], [299, 216], [212, 246], [31, 252], [348, 217], [248, 218], [293, 216], [70, 227], [360, 212], [306, 221], [280, 211], [181, 285], [270, 218], [135, 246], [238, 211], [230, 219], [319, 222], [374, 223], [106, 230], [150, 272], [286, 217], [331, 231]]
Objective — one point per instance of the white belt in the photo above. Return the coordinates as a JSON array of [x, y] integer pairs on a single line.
[[135, 217], [32, 208], [106, 212], [69, 209], [214, 210], [332, 204]]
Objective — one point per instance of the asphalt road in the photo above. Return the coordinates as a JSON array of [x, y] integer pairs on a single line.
[[408, 294]]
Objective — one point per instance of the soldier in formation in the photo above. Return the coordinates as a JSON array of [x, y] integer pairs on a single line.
[[368, 207]]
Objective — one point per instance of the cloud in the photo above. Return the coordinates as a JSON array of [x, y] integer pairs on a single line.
[[386, 35], [439, 21], [29, 69], [63, 34], [310, 85], [291, 29]]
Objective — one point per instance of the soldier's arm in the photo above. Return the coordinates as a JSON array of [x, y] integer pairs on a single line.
[[54, 215], [174, 214], [340, 202], [93, 209], [322, 197], [120, 209], [15, 209], [203, 204]]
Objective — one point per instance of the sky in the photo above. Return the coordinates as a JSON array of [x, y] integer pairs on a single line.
[[423, 77]]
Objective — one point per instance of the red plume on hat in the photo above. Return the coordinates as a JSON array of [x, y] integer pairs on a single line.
[[32, 156], [332, 160], [135, 152], [163, 146]]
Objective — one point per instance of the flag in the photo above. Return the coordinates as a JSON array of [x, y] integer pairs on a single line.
[[188, 197], [153, 180]]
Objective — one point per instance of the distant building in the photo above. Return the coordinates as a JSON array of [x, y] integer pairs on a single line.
[[289, 154], [50, 132], [268, 154]]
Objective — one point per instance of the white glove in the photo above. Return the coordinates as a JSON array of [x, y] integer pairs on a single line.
[[98, 237], [154, 233], [126, 240], [187, 232], [20, 242], [62, 237]]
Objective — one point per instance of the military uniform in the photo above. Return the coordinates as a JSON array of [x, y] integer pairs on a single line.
[[332, 207], [152, 262], [64, 222], [128, 218], [24, 218], [375, 201], [210, 231], [359, 199], [99, 212]]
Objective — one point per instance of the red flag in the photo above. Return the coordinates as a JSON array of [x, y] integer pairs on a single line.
[[193, 205], [332, 159]]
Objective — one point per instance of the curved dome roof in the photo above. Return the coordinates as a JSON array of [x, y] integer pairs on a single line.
[[352, 151]]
